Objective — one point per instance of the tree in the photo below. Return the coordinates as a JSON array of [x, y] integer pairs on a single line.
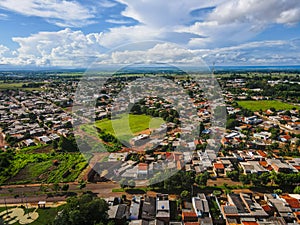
[[277, 191], [296, 190], [233, 175], [265, 178], [185, 194], [245, 179], [55, 187], [201, 179], [131, 184], [87, 209], [67, 144], [65, 187], [123, 183], [82, 184]]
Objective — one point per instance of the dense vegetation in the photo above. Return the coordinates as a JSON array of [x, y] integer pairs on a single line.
[[86, 209], [40, 167]]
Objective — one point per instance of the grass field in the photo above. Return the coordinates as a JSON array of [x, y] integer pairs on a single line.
[[266, 104], [17, 85], [124, 131]]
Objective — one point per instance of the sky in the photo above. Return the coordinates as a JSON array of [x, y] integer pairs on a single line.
[[78, 33]]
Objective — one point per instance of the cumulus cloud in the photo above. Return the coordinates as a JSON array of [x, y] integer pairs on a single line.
[[255, 53], [68, 48], [62, 48], [60, 12], [217, 24], [256, 11]]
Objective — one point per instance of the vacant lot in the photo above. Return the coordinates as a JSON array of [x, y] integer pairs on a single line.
[[125, 130], [266, 104], [48, 168]]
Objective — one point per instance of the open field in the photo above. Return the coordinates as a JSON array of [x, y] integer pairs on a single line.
[[266, 104], [17, 85], [120, 128]]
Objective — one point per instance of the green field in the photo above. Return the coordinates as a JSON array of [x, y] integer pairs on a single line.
[[124, 131], [266, 104], [17, 85], [37, 168]]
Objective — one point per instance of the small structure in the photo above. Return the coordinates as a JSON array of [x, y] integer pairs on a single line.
[[42, 204]]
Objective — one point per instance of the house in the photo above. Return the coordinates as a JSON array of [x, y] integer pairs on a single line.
[[189, 216], [149, 208], [219, 169], [163, 208], [200, 205], [282, 208], [294, 203], [142, 170], [278, 166], [44, 139], [134, 211], [140, 140], [250, 167], [29, 142], [262, 135], [118, 213]]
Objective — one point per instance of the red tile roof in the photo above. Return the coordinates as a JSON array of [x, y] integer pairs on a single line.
[[191, 223], [262, 153], [143, 166], [297, 167], [188, 215], [219, 166], [249, 223], [294, 203]]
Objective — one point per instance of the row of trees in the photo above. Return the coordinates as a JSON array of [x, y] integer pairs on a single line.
[[280, 179], [181, 180], [169, 115]]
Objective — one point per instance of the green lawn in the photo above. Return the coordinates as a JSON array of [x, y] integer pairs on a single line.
[[266, 104], [124, 131]]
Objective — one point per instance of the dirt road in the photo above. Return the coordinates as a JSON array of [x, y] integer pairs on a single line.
[[18, 194]]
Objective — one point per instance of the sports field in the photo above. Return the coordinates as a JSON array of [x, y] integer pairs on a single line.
[[266, 104], [125, 130]]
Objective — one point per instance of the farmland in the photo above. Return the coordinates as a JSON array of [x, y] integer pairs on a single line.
[[266, 104]]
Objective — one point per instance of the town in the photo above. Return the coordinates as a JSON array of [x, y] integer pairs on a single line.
[[180, 162]]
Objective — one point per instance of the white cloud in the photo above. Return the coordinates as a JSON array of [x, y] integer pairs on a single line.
[[118, 21], [256, 53], [3, 16], [257, 11], [69, 48], [62, 48], [227, 23], [60, 12]]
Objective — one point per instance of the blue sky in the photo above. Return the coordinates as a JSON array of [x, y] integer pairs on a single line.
[[46, 33]]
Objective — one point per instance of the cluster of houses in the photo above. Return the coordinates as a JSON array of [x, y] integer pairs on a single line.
[[29, 118], [244, 208]]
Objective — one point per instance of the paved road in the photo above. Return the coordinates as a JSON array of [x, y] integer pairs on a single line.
[[33, 193]]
